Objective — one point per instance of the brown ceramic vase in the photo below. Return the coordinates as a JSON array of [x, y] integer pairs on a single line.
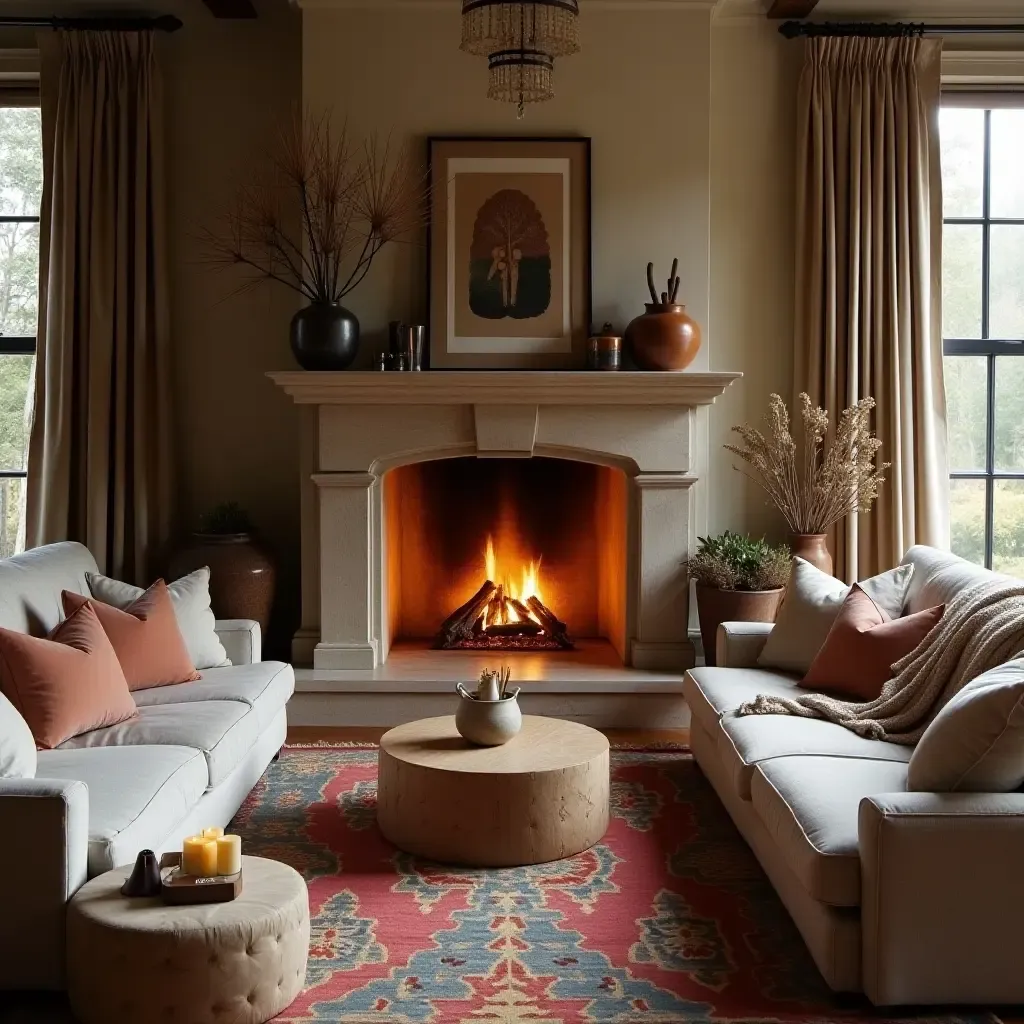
[[813, 548], [666, 337], [715, 606], [242, 576]]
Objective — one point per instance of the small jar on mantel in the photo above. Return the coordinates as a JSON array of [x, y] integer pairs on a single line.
[[813, 548]]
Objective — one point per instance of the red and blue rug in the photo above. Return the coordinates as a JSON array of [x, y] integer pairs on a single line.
[[668, 919]]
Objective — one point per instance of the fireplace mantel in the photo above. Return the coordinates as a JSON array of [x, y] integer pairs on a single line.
[[508, 387]]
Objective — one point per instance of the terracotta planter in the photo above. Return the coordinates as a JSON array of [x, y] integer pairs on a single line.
[[715, 606], [663, 338], [242, 575], [813, 547]]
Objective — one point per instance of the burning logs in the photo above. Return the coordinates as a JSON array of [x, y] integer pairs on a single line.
[[491, 619], [554, 628], [459, 625]]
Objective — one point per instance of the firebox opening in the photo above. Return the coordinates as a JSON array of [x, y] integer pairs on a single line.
[[505, 554]]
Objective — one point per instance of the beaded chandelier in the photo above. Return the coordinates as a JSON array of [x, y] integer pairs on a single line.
[[520, 41]]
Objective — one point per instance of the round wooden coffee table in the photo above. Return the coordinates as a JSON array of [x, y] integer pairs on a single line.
[[542, 796]]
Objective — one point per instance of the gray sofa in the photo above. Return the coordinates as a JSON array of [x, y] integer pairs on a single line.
[[187, 761], [910, 897]]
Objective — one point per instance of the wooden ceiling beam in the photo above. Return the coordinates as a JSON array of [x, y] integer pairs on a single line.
[[231, 8], [791, 8]]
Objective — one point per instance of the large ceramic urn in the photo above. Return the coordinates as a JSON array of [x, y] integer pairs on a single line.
[[665, 337]]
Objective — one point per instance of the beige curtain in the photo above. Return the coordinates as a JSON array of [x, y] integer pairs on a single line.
[[869, 225], [99, 458]]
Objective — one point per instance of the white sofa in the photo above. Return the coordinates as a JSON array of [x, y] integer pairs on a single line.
[[910, 897], [187, 761]]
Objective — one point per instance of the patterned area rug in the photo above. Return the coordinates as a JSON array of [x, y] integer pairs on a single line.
[[668, 919]]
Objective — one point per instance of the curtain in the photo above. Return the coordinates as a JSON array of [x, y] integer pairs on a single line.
[[868, 318], [99, 452]]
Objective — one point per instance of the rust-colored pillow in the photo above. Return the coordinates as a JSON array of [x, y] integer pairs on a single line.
[[64, 685], [857, 657], [145, 636]]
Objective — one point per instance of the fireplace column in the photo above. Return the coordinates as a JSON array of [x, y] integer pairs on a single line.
[[347, 565]]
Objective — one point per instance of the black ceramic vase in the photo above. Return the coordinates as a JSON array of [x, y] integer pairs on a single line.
[[325, 336]]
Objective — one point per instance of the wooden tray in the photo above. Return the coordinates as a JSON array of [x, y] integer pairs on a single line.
[[180, 889]]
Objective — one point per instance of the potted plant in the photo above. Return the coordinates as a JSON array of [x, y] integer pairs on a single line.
[[738, 580], [242, 575], [814, 486], [315, 222]]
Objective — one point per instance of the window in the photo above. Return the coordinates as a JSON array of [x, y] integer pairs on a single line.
[[21, 185], [983, 328]]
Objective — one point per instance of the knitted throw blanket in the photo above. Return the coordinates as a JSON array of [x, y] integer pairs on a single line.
[[981, 628]]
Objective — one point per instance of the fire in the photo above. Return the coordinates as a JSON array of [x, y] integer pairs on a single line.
[[529, 585]]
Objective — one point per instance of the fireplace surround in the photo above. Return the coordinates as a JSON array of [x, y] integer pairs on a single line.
[[377, 448]]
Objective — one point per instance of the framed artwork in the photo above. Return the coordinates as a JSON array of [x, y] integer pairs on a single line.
[[509, 253]]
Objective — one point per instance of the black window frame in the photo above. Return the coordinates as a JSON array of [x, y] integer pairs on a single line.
[[986, 345]]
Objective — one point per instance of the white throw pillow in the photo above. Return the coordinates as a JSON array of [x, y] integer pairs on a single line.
[[975, 744], [812, 602], [191, 599], [17, 747]]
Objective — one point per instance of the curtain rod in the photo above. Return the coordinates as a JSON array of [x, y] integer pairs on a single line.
[[890, 30], [161, 23]]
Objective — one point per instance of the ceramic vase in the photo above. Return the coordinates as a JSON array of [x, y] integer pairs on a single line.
[[324, 336], [813, 548], [488, 723], [663, 338], [715, 606]]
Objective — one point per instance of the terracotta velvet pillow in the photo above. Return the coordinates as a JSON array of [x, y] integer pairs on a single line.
[[67, 684], [145, 637], [862, 645]]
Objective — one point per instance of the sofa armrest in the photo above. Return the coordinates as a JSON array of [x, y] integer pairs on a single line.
[[942, 897], [43, 862], [242, 640], [738, 644]]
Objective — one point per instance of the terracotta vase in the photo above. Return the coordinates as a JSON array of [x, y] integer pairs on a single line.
[[663, 338], [813, 547], [242, 576], [715, 606]]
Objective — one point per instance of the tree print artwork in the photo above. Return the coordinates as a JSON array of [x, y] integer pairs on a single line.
[[510, 259]]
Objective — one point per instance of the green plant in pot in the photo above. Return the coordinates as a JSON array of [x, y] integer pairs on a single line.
[[315, 222], [738, 580], [242, 574]]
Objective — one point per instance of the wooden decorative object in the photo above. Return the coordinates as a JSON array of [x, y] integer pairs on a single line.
[[180, 889], [665, 336], [540, 797]]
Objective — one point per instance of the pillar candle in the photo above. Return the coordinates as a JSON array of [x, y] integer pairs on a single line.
[[229, 855], [199, 857], [213, 832]]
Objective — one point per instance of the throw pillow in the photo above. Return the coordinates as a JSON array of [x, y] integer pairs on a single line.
[[191, 599], [810, 606], [857, 656], [69, 683], [145, 637], [976, 742], [17, 748]]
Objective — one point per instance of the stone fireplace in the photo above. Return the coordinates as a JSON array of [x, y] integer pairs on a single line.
[[584, 479]]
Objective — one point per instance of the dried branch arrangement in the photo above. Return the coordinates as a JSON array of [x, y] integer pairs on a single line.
[[321, 212], [492, 684], [815, 486]]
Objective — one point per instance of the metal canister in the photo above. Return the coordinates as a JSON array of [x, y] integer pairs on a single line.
[[604, 350]]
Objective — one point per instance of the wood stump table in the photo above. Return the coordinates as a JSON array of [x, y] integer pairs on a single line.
[[540, 797]]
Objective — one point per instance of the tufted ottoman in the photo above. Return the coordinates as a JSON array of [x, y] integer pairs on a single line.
[[139, 960]]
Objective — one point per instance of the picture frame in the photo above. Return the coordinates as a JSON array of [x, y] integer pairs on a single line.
[[508, 248]]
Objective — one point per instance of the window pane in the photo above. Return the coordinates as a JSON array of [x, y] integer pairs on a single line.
[[21, 161], [1009, 421], [12, 516], [961, 281], [962, 133], [1007, 161], [1006, 299], [15, 378], [967, 519], [19, 279], [966, 410], [1008, 527]]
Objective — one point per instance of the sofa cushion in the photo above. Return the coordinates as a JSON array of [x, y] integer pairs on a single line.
[[809, 805], [710, 692], [17, 747], [939, 577], [137, 795], [224, 730], [976, 742], [265, 686], [31, 585], [746, 741]]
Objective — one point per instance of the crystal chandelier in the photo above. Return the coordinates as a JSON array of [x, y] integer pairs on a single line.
[[520, 41]]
